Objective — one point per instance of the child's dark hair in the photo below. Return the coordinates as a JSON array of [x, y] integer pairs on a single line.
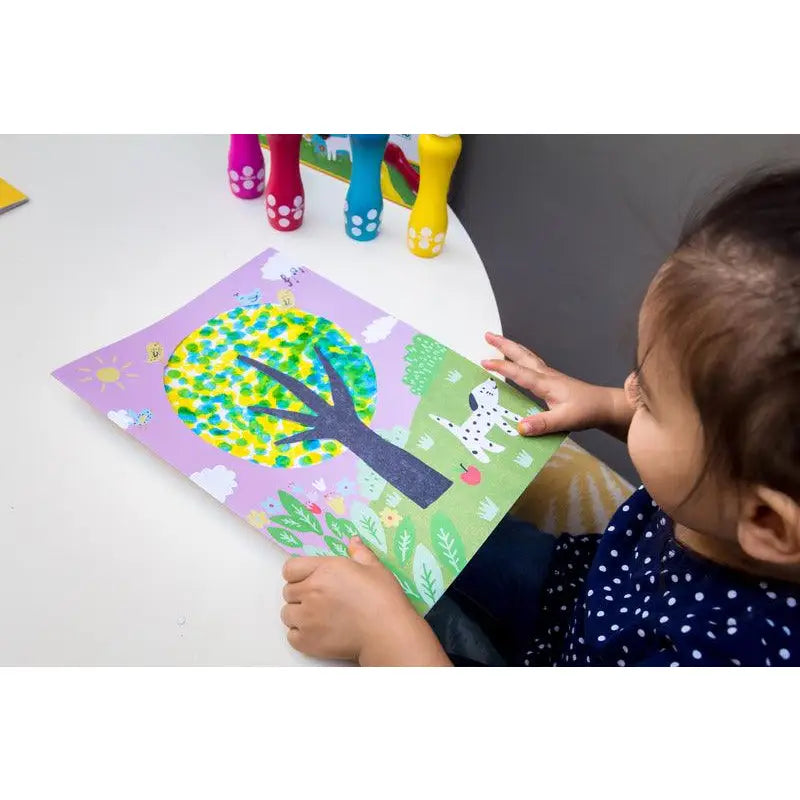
[[729, 298]]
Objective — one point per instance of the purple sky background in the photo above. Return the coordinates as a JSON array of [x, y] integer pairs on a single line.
[[168, 437]]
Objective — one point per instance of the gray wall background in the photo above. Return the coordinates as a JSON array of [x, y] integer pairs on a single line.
[[572, 228]]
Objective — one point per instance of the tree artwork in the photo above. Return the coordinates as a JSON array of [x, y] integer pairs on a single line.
[[284, 388]]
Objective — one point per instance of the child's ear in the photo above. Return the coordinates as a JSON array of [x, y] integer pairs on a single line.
[[769, 527]]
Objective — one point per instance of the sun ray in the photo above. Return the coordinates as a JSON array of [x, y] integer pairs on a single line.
[[113, 359], [87, 378], [131, 375], [119, 385], [98, 359], [84, 369], [126, 365], [102, 387]]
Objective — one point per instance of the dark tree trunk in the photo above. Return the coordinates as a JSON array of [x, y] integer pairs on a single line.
[[414, 478]]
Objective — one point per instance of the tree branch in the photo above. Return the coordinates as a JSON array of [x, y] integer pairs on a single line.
[[340, 394], [297, 388], [283, 413], [301, 436]]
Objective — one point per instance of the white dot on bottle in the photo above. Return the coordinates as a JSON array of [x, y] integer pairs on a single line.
[[357, 220], [284, 211], [298, 214], [371, 226], [437, 248], [260, 173], [697, 655], [424, 244], [248, 184], [283, 222], [271, 199], [412, 234], [355, 231], [271, 213], [784, 653], [426, 232], [260, 186], [372, 213], [234, 175], [439, 237], [411, 243], [247, 171], [235, 187], [298, 201]]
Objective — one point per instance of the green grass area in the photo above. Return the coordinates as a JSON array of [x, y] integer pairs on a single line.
[[502, 481]]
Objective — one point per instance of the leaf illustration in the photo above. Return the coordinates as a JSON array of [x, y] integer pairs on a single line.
[[340, 527], [335, 545], [284, 538], [405, 584], [290, 522], [311, 550], [369, 526], [447, 543], [403, 542], [301, 514], [427, 575]]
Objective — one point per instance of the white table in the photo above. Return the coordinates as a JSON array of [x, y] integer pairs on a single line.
[[107, 555]]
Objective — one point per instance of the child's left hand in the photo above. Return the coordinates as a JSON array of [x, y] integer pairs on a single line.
[[354, 609]]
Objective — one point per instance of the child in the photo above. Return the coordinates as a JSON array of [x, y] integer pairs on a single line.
[[701, 565]]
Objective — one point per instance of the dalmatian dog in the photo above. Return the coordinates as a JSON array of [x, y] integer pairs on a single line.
[[487, 413]]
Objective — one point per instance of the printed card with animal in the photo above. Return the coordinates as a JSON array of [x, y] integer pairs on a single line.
[[315, 416]]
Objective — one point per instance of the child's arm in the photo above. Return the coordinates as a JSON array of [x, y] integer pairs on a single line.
[[355, 609], [572, 404]]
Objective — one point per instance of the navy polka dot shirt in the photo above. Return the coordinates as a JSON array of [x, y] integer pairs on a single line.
[[636, 597]]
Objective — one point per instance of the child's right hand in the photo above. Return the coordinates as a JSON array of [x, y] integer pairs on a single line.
[[573, 405]]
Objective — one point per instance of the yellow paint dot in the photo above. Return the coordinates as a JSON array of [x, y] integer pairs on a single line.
[[107, 374]]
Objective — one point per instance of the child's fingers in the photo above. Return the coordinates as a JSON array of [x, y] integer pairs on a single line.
[[553, 421], [515, 351], [298, 569], [360, 553], [526, 378], [291, 614], [292, 592]]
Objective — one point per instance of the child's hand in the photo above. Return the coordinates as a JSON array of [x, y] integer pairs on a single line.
[[354, 609], [573, 405]]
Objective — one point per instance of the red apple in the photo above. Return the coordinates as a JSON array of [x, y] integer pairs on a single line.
[[471, 476]]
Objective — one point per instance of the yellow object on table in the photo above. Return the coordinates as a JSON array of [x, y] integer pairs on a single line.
[[427, 226], [10, 197]]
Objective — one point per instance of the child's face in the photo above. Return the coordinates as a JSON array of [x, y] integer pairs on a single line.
[[665, 438]]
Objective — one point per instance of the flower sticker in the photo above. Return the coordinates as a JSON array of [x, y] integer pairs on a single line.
[[258, 519], [272, 506], [345, 487], [390, 518]]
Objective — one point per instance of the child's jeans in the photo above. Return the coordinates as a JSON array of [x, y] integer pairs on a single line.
[[487, 616]]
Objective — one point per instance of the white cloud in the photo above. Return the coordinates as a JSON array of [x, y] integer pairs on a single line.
[[218, 481], [276, 266], [378, 329], [121, 417]]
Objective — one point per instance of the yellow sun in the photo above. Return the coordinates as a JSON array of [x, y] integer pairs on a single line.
[[108, 373]]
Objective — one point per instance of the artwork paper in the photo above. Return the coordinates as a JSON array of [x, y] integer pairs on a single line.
[[314, 416]]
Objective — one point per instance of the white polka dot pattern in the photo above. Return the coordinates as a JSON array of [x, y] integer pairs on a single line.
[[636, 597]]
